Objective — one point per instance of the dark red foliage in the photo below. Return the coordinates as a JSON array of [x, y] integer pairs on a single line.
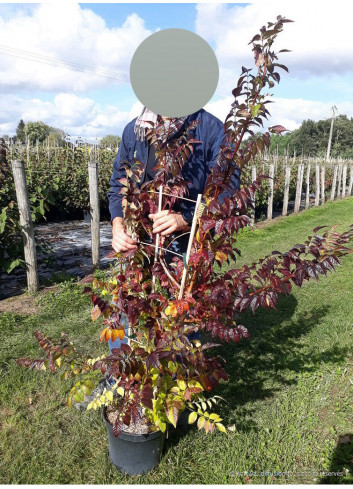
[[159, 320]]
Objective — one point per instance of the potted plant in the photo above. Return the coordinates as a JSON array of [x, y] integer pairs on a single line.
[[161, 372]]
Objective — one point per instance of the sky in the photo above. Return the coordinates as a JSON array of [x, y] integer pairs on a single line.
[[97, 41]]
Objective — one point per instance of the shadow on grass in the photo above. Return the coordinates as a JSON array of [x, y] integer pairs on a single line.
[[175, 435], [275, 355], [341, 467]]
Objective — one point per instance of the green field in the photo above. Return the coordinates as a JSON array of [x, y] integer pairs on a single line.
[[289, 399]]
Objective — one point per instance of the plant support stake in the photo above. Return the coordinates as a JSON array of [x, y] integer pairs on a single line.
[[156, 251], [191, 239]]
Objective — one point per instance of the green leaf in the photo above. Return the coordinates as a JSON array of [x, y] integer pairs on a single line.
[[12, 265], [192, 417], [171, 367], [221, 427], [172, 415], [41, 207], [3, 217], [161, 425], [86, 390], [255, 109], [181, 384], [89, 383], [109, 396], [215, 417], [79, 397]]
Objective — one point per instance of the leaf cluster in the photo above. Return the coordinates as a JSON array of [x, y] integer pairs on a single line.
[[162, 371]]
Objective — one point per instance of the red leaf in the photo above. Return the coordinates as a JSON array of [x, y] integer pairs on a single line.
[[147, 394], [118, 427], [277, 129]]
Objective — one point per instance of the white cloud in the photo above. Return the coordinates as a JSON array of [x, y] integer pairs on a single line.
[[320, 38], [70, 33], [79, 116], [285, 111]]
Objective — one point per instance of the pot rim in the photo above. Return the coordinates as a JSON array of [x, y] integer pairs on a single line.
[[132, 437]]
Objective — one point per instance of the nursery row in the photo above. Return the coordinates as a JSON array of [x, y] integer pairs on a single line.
[[289, 179], [59, 178], [58, 187]]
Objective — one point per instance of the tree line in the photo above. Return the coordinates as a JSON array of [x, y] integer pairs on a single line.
[[311, 139], [34, 131]]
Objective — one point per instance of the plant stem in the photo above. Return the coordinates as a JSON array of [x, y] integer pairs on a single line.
[[170, 276]]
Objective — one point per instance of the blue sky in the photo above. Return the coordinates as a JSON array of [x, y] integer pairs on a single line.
[[105, 36], [176, 15]]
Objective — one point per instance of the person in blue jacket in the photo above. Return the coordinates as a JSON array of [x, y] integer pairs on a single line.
[[196, 169]]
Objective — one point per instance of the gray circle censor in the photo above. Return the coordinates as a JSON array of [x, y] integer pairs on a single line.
[[174, 72]]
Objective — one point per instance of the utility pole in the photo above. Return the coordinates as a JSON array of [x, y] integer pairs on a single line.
[[334, 110]]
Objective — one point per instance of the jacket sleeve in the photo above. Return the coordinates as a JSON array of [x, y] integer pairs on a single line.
[[235, 177], [211, 155], [114, 195]]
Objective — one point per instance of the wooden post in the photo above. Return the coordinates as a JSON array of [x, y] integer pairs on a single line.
[[27, 228], [344, 180], [350, 181], [286, 192], [317, 185], [253, 178], [339, 180], [298, 193], [322, 184], [27, 151], [334, 181], [307, 190], [270, 197], [95, 212]]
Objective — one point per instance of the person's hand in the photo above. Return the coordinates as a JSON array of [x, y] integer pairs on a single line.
[[166, 222], [121, 241]]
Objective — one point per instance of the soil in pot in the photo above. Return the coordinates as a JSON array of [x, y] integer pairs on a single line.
[[137, 450], [142, 427]]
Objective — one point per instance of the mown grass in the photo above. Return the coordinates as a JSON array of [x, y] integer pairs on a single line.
[[289, 396]]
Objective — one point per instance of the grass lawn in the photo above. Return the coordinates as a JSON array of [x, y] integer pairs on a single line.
[[288, 400]]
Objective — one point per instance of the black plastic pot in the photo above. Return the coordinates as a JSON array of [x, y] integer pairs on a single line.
[[134, 454]]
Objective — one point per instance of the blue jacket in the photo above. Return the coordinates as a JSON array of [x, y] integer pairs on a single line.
[[196, 168]]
